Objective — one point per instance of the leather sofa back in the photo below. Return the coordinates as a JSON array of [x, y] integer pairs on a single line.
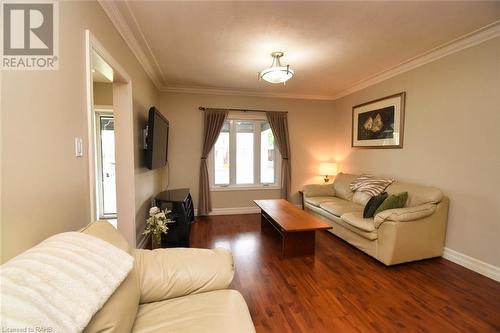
[[342, 185], [119, 312], [417, 194]]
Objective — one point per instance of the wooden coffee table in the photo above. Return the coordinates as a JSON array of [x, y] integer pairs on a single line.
[[296, 227]]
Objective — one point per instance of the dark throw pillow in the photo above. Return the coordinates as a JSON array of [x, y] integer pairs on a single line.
[[373, 204], [393, 201]]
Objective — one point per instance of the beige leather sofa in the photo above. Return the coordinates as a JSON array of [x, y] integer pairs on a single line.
[[171, 290], [394, 236]]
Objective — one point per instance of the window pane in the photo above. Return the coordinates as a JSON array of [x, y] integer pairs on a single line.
[[244, 152], [267, 154], [108, 165], [221, 157], [245, 127]]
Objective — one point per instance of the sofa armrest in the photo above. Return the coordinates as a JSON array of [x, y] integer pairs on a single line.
[[317, 190], [169, 273], [404, 214]]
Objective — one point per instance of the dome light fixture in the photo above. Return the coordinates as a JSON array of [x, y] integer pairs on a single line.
[[276, 73]]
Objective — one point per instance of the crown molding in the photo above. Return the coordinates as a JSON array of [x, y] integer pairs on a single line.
[[238, 92], [476, 37], [127, 26]]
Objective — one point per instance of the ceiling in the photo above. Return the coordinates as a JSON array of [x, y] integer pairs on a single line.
[[330, 45]]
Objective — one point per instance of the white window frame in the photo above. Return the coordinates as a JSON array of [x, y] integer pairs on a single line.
[[232, 186], [101, 111]]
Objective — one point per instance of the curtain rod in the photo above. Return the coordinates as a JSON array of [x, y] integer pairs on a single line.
[[203, 108]]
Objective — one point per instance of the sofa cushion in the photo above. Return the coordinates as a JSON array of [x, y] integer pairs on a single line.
[[361, 198], [316, 201], [215, 311], [417, 195], [338, 207], [370, 235], [174, 272], [118, 313], [357, 220], [342, 185]]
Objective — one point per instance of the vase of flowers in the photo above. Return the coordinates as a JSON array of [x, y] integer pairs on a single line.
[[156, 225]]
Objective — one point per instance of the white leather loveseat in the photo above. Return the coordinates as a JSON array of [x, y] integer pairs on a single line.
[[393, 236], [171, 290]]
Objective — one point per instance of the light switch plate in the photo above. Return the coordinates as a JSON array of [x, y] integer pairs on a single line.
[[78, 147]]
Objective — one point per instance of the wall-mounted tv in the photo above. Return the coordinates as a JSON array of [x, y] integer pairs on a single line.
[[156, 140]]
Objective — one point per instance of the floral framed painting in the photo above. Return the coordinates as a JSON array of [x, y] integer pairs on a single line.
[[379, 123]]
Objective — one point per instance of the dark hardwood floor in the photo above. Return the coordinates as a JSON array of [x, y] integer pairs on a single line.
[[343, 290]]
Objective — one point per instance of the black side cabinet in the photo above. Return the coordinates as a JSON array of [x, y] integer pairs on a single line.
[[179, 201]]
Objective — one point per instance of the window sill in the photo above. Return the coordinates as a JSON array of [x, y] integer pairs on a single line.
[[243, 188]]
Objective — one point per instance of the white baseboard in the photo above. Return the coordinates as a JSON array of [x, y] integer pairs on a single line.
[[235, 210], [473, 264], [232, 211]]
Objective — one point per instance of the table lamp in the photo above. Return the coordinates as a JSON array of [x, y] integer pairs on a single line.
[[328, 169]]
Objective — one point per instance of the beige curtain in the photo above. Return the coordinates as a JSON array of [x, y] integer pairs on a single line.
[[214, 120], [279, 126]]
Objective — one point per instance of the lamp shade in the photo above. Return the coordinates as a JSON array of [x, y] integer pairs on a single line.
[[328, 169], [277, 73]]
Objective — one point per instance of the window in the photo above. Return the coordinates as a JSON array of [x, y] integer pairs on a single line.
[[106, 184], [244, 155], [245, 137]]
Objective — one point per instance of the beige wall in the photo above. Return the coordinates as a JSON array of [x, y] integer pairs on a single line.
[[310, 124], [45, 188], [452, 141], [103, 93]]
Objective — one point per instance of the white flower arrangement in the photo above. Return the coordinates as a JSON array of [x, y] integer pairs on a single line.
[[156, 224]]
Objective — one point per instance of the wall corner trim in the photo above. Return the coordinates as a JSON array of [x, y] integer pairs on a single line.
[[473, 264], [134, 38], [239, 92]]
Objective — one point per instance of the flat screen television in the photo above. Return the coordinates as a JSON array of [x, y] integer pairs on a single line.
[[156, 140]]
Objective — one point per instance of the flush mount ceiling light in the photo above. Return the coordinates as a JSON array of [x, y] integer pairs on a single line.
[[276, 73]]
